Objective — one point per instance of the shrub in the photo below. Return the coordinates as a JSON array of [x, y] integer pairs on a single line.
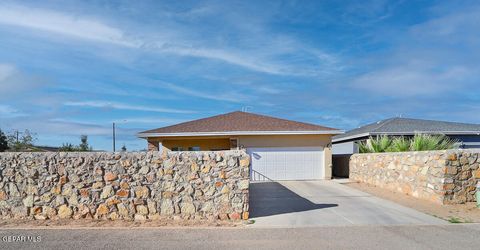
[[381, 143], [425, 142], [376, 145], [67, 147], [82, 147], [420, 142], [399, 144], [364, 148]]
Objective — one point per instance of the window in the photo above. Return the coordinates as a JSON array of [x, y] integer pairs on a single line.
[[233, 143], [177, 149], [194, 148]]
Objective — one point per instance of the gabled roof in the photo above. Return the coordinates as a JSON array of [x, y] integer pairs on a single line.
[[409, 126], [238, 123]]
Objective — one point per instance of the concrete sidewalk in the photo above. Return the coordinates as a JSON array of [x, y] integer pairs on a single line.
[[326, 203], [350, 237]]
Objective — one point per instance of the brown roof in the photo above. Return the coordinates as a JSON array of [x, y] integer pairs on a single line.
[[238, 121]]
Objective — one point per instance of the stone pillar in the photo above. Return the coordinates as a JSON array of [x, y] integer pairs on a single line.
[[327, 161], [152, 145]]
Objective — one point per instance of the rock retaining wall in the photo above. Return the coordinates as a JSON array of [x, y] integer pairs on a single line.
[[446, 177], [175, 185]]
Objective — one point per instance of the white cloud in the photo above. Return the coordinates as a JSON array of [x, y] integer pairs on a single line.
[[432, 59], [4, 109], [6, 70], [122, 106], [127, 120], [13, 81], [230, 97], [227, 56], [70, 128], [149, 120], [8, 112], [461, 25], [410, 81], [61, 23], [257, 56]]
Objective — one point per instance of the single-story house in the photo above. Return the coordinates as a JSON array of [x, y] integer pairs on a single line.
[[280, 149], [344, 145]]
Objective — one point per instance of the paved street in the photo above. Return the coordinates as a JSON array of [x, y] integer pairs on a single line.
[[326, 203], [352, 237]]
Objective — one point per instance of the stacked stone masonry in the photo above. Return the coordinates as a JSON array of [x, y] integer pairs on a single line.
[[125, 186], [445, 177]]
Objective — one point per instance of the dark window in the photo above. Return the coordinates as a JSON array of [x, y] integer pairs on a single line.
[[194, 148], [177, 149], [233, 143]]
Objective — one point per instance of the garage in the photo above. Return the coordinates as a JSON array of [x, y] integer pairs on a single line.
[[287, 163]]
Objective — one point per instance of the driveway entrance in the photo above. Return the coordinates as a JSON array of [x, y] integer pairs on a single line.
[[325, 203]]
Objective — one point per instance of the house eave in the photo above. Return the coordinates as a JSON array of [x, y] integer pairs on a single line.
[[237, 133]]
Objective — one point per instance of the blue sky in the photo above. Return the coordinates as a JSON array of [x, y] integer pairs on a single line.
[[73, 67]]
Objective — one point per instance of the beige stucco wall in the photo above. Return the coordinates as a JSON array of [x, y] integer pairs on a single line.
[[252, 141], [249, 141]]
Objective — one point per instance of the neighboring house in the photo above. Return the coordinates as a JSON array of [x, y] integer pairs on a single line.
[[280, 149], [344, 145]]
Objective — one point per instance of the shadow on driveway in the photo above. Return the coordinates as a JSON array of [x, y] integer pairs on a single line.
[[272, 198]]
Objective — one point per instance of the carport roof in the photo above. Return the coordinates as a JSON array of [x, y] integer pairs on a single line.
[[239, 123], [409, 126]]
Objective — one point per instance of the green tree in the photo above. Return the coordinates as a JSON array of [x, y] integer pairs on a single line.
[[67, 147], [3, 141], [21, 141], [84, 144], [82, 147]]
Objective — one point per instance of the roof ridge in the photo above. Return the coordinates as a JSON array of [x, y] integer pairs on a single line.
[[431, 120], [385, 122], [199, 119]]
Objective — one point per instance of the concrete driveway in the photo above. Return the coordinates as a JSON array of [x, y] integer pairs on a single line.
[[326, 203]]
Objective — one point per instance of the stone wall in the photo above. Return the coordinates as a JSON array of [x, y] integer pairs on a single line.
[[446, 177], [129, 186]]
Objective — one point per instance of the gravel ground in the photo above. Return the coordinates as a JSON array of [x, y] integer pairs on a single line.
[[85, 223], [461, 213]]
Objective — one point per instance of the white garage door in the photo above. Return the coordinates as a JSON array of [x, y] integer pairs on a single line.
[[294, 163]]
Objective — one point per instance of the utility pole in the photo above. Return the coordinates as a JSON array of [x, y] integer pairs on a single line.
[[113, 131], [113, 128]]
